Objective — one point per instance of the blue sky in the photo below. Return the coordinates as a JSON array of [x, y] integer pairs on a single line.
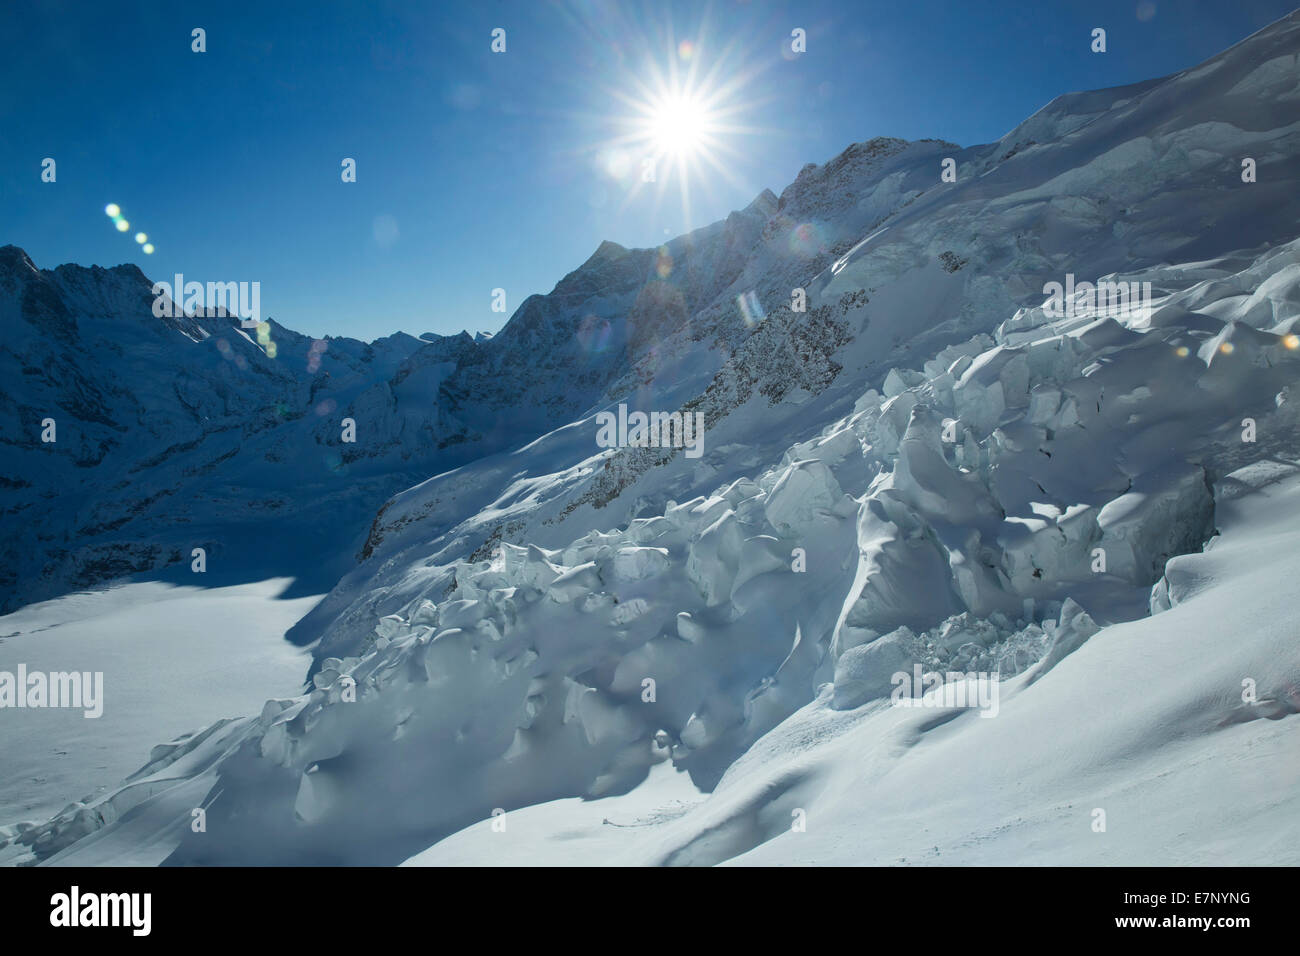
[[479, 170]]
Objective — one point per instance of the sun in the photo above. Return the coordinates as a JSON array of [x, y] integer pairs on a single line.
[[676, 118], [678, 125], [679, 132]]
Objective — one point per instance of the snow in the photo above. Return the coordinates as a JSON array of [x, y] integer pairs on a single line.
[[174, 660], [1143, 720], [696, 638], [601, 832], [645, 658]]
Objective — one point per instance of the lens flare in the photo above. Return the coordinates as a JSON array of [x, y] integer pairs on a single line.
[[593, 334], [664, 263], [751, 310], [114, 212], [1291, 341], [806, 240], [617, 163]]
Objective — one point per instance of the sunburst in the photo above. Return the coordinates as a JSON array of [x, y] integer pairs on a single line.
[[680, 126]]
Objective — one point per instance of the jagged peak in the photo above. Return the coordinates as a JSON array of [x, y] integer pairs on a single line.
[[397, 336], [434, 338], [131, 271], [608, 249], [877, 146], [765, 202], [13, 258]]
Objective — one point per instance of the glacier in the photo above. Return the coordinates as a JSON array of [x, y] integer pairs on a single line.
[[632, 656]]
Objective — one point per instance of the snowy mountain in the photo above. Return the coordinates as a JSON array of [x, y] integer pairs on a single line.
[[645, 657], [897, 265], [169, 434]]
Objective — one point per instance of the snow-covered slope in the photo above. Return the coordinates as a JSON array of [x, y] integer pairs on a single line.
[[926, 469], [898, 265], [693, 635], [1145, 722], [196, 655]]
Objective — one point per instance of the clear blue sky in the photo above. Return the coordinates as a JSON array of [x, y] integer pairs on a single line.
[[479, 170]]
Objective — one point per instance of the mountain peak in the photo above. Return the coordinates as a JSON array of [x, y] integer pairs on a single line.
[[13, 259], [609, 250], [765, 203]]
